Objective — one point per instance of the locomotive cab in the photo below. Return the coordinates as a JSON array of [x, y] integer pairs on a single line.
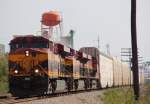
[[28, 65]]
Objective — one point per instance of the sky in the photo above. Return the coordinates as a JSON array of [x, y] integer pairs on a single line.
[[108, 19]]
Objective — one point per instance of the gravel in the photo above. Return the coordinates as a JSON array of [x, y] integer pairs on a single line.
[[93, 97]]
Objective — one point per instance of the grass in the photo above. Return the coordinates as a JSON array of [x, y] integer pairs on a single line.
[[3, 85], [125, 96], [145, 95], [118, 96]]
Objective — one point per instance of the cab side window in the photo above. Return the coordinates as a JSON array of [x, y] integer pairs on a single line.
[[13, 47]]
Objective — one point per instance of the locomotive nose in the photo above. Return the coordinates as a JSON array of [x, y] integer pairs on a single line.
[[28, 61], [27, 64]]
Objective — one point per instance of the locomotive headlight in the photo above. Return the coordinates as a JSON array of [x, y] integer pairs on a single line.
[[36, 70], [16, 71], [27, 53]]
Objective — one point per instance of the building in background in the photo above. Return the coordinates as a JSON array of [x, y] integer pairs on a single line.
[[68, 40], [2, 48]]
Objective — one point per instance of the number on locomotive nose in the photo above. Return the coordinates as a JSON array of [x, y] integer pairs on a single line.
[[27, 78]]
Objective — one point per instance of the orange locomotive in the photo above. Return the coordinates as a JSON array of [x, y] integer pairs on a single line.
[[39, 66]]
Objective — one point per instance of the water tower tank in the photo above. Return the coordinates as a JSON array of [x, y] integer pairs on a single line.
[[51, 18]]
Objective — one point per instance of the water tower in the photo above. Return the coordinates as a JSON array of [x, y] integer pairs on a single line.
[[51, 25]]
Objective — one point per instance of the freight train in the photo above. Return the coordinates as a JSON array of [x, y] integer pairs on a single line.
[[39, 66]]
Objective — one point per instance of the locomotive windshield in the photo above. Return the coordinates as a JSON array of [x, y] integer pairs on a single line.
[[28, 42], [28, 45]]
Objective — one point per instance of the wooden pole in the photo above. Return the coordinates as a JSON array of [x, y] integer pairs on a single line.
[[134, 50]]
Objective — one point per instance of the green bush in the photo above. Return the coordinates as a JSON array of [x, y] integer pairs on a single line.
[[3, 73]]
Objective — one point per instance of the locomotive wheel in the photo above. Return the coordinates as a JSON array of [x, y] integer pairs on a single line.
[[86, 84], [76, 84], [90, 83], [98, 85], [54, 85], [69, 84], [49, 88]]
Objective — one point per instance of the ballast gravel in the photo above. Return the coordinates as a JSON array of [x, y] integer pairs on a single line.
[[93, 97]]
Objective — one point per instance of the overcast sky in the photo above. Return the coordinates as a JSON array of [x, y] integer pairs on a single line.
[[110, 19]]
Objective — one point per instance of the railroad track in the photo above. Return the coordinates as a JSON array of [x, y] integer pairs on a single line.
[[15, 100]]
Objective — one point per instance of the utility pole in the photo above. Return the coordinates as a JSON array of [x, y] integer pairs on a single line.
[[72, 38], [98, 42], [134, 50], [108, 49]]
